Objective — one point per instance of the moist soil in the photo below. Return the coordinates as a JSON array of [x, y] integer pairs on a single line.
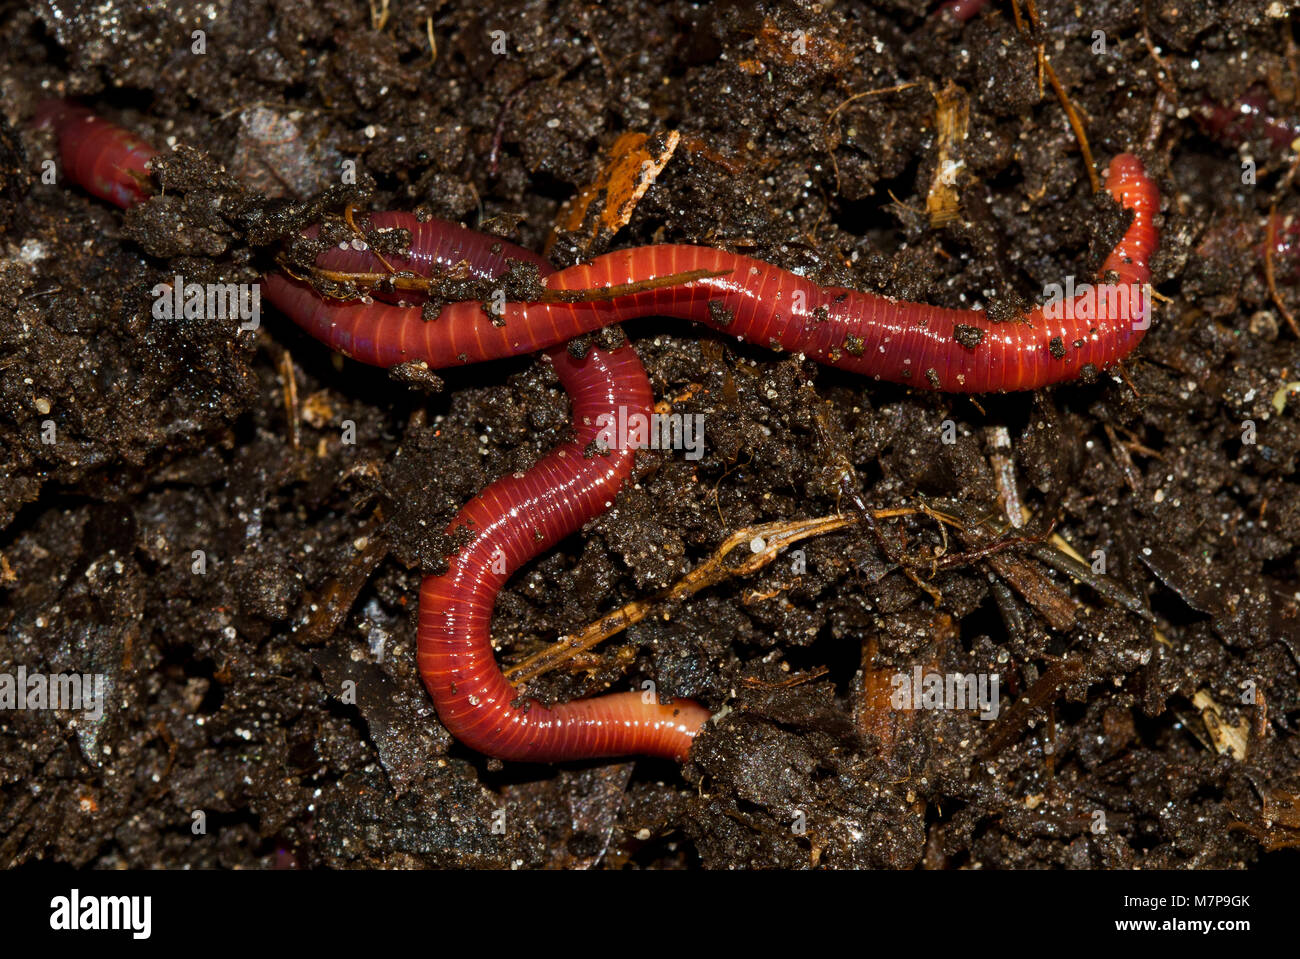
[[196, 530]]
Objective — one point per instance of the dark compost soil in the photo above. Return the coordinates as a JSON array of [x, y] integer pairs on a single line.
[[1157, 737]]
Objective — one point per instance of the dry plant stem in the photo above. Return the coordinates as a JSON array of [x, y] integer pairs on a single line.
[[1270, 276], [776, 537]]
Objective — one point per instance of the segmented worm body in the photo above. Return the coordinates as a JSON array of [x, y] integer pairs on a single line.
[[512, 521], [1256, 115], [102, 157], [1252, 116], [518, 516], [960, 351], [436, 247]]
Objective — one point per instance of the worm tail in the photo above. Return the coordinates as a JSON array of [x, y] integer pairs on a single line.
[[103, 158]]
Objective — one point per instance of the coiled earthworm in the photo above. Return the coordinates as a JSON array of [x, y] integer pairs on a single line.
[[956, 350], [514, 520]]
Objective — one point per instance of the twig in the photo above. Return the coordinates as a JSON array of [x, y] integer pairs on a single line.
[[774, 537], [1076, 123], [1270, 274]]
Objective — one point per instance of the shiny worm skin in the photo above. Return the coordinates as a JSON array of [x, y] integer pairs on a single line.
[[518, 516], [515, 519], [103, 158], [958, 351], [435, 246]]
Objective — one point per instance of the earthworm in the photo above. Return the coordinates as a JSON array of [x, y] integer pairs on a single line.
[[515, 519], [105, 159], [960, 351], [964, 9], [435, 246], [957, 350], [1254, 115]]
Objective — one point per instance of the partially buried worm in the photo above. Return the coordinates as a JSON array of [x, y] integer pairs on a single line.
[[100, 157], [518, 516]]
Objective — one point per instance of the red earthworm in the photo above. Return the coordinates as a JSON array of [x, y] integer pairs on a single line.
[[929, 347], [435, 246], [473, 698], [105, 159], [964, 9], [1254, 115], [513, 520]]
